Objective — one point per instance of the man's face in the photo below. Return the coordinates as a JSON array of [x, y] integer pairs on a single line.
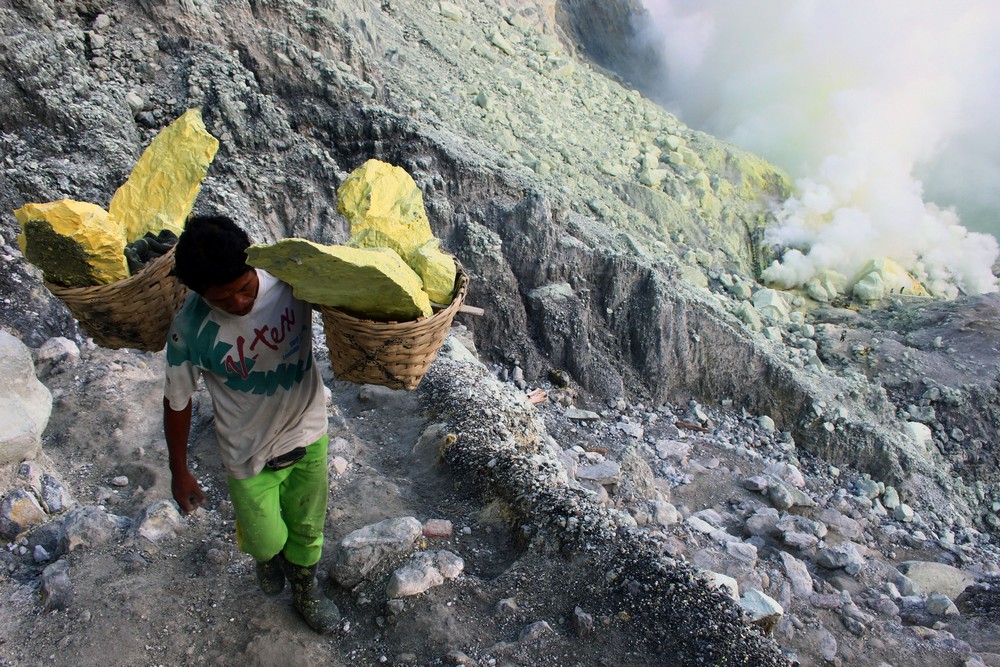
[[237, 297]]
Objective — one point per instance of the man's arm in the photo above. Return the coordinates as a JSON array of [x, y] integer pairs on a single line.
[[177, 428]]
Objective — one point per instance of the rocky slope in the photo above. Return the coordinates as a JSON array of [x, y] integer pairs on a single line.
[[606, 241]]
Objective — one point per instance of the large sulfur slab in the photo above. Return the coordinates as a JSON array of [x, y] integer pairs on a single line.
[[162, 188], [373, 283], [382, 196], [436, 269], [75, 244]]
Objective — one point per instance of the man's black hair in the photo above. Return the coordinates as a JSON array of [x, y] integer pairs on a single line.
[[212, 251]]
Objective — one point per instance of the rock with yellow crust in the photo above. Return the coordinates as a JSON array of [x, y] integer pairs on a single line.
[[75, 244], [373, 283], [437, 269], [382, 196], [162, 188], [885, 276]]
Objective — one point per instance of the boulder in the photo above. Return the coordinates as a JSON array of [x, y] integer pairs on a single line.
[[936, 577], [883, 276], [89, 526], [25, 403], [826, 285], [771, 304], [361, 551]]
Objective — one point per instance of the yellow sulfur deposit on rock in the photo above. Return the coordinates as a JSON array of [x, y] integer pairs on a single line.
[[436, 269], [162, 188], [885, 276], [75, 244], [372, 283], [383, 196]]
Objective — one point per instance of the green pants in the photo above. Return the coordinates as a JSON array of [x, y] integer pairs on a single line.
[[284, 510]]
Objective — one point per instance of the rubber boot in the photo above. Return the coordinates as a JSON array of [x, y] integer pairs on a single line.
[[320, 613], [271, 575]]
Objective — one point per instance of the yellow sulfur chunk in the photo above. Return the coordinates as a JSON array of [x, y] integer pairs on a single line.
[[371, 237], [162, 188], [382, 196], [373, 283], [437, 270], [75, 244]]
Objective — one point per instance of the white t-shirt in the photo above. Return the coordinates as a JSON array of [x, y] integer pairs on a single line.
[[266, 390]]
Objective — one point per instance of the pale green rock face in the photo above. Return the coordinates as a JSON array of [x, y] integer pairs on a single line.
[[373, 283]]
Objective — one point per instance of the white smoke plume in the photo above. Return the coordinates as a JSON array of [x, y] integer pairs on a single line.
[[857, 101]]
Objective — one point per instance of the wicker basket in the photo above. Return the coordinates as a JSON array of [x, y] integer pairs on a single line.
[[391, 354], [135, 312]]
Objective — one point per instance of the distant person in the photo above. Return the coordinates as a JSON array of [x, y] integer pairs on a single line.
[[244, 332]]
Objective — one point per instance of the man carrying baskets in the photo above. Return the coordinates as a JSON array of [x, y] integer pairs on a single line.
[[243, 331]]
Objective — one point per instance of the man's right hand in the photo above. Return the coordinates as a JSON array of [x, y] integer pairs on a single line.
[[186, 490]]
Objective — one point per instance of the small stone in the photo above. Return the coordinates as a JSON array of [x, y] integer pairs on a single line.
[[800, 541], [762, 609], [869, 489], [452, 12], [780, 496], [534, 631], [40, 554], [19, 510], [59, 349], [827, 645], [54, 495], [135, 102], [158, 521], [603, 473], [843, 555], [506, 607], [339, 465], [755, 483], [583, 623], [414, 578], [722, 582], [786, 472], [798, 575], [581, 415], [57, 591], [449, 564], [119, 481], [673, 450], [941, 605], [664, 513], [903, 512], [459, 658], [438, 528]]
